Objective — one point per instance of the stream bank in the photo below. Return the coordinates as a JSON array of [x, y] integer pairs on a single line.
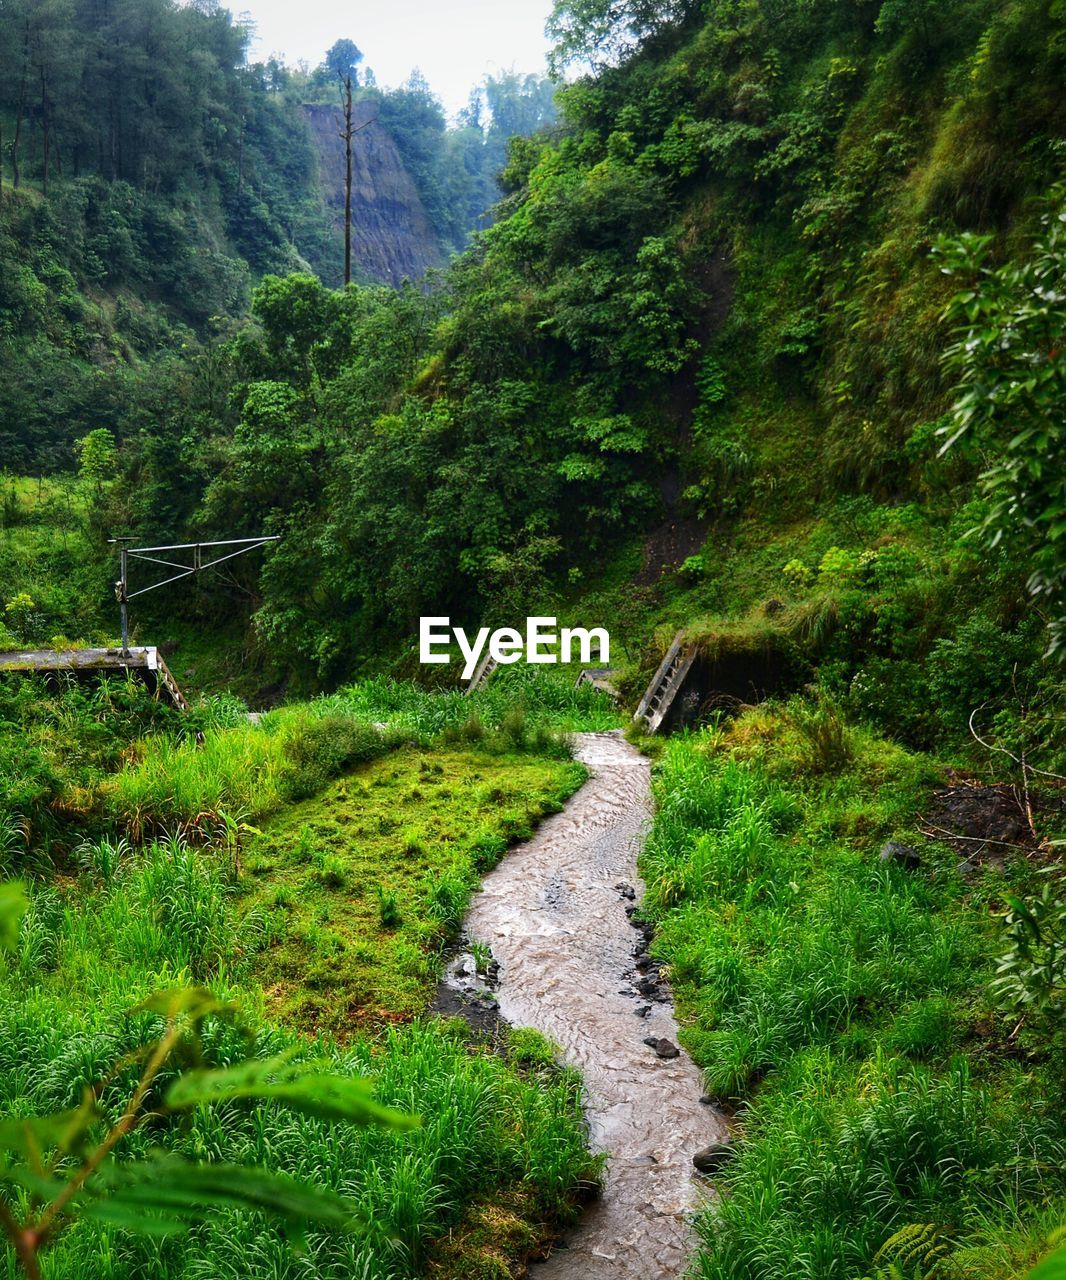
[[572, 966]]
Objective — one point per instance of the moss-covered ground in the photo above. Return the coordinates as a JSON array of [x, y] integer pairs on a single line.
[[358, 888]]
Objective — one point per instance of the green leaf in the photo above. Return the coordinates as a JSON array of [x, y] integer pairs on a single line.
[[30, 1135], [193, 1003], [14, 903], [167, 1194], [1053, 1267], [303, 1087]]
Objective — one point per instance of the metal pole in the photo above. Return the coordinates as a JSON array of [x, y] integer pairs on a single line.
[[196, 550], [122, 602]]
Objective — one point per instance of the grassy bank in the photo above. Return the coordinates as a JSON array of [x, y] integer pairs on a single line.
[[324, 923], [841, 1006], [356, 890]]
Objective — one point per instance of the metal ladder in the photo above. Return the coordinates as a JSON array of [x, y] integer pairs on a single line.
[[480, 677], [164, 678], [665, 684]]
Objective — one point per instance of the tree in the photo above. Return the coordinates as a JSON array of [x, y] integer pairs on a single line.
[[342, 60], [603, 32], [99, 459], [1009, 357]]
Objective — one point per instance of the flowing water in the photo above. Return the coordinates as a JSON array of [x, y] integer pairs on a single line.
[[554, 914]]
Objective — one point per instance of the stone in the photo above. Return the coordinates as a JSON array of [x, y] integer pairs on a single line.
[[708, 1100], [711, 1159], [902, 855], [644, 1010], [966, 867], [663, 1048]]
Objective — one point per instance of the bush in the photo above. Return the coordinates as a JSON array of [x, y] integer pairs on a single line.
[[319, 748], [978, 665], [829, 747]]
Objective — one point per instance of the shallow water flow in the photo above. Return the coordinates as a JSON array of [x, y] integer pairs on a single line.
[[553, 913]]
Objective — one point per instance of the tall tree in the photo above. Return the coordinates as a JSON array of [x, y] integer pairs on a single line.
[[342, 59]]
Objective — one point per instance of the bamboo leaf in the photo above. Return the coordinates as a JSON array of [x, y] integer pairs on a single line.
[[167, 1194], [303, 1087], [194, 1003], [29, 1135]]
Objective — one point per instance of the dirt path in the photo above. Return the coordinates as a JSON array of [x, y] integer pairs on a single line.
[[554, 914]]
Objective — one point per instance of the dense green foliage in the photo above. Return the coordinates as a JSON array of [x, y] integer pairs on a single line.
[[710, 294], [1012, 389], [149, 175], [846, 1008]]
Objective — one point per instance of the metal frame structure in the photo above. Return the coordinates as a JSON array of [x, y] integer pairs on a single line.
[[196, 549]]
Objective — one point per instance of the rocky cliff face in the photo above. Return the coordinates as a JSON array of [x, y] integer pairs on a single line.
[[392, 238]]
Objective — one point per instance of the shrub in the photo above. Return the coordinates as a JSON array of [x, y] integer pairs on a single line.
[[797, 574], [979, 665], [838, 567], [829, 747], [318, 748]]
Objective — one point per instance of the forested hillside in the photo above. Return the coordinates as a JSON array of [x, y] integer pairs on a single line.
[[150, 176], [717, 299]]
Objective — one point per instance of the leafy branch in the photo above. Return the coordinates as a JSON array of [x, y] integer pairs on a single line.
[[60, 1167]]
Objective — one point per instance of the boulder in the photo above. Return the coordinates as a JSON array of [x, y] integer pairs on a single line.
[[716, 1156], [900, 855], [663, 1048]]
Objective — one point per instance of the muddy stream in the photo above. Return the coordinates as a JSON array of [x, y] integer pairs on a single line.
[[570, 965]]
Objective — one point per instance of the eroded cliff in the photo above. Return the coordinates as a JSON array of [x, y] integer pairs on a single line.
[[392, 237]]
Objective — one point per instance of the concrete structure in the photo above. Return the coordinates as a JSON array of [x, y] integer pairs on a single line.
[[143, 662]]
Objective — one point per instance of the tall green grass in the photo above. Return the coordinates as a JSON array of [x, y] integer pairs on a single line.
[[247, 770], [164, 916], [842, 1006], [547, 699], [251, 770]]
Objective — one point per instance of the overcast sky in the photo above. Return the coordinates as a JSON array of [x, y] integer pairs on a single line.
[[453, 42]]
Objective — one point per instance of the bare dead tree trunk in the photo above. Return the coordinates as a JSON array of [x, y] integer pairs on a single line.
[[349, 133]]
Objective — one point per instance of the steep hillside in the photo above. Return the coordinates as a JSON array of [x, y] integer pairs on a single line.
[[150, 176], [707, 333], [392, 239], [713, 307]]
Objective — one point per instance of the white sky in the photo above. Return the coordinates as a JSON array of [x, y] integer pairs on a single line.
[[453, 42]]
